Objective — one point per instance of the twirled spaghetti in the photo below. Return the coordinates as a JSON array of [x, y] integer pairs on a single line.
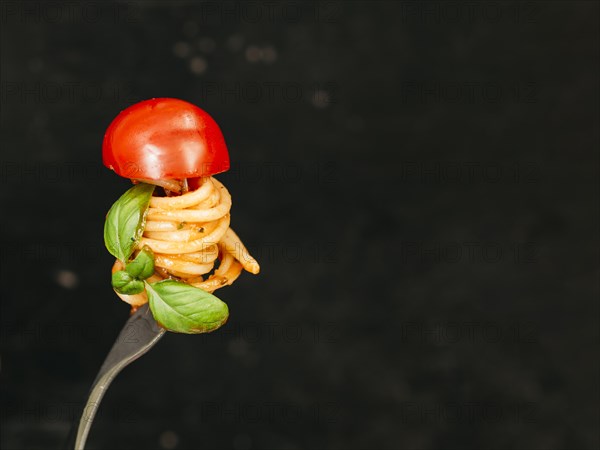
[[191, 238]]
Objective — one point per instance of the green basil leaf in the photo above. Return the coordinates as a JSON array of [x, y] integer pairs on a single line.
[[125, 221], [124, 283], [142, 266], [182, 308]]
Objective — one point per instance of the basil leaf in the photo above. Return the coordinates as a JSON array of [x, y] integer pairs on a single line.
[[124, 283], [125, 221], [183, 308], [142, 266]]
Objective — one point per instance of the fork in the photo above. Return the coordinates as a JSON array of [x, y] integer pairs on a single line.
[[140, 333]]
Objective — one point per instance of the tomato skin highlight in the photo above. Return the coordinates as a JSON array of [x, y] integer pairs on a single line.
[[164, 138]]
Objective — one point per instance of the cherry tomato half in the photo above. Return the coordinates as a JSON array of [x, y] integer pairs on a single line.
[[164, 138]]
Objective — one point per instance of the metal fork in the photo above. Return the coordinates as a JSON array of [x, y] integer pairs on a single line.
[[140, 334]]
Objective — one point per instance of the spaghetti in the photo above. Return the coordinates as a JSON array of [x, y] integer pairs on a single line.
[[191, 239]]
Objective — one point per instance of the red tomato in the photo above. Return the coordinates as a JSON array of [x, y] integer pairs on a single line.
[[164, 138]]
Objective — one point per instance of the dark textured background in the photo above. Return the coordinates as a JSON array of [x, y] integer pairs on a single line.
[[418, 181]]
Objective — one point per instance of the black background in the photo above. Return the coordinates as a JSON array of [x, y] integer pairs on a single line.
[[417, 179]]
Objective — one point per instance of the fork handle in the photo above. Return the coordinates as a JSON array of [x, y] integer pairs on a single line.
[[140, 334]]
